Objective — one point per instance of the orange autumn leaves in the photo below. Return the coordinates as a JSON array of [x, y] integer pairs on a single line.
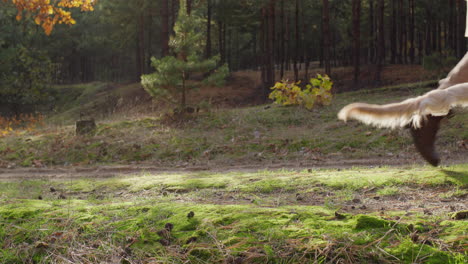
[[47, 13]]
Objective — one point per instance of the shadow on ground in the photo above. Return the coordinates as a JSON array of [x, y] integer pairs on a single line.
[[461, 177]]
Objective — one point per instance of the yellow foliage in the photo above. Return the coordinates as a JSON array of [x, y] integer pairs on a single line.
[[48, 14], [318, 91]]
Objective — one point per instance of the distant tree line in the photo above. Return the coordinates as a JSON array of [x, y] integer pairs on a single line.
[[116, 41]]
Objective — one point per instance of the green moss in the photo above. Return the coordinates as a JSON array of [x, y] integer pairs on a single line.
[[368, 222], [268, 186], [409, 252], [137, 207]]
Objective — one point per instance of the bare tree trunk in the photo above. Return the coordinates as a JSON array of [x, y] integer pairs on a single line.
[[393, 33], [173, 12], [208, 30], [221, 38], [282, 40], [411, 30], [304, 45], [140, 47], [326, 37], [296, 34], [263, 41], [270, 29], [287, 56], [403, 37], [371, 52], [165, 27], [461, 43], [254, 50], [452, 25], [427, 44], [356, 38], [381, 40], [189, 7]]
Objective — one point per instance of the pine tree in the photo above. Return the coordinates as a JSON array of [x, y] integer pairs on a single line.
[[173, 72]]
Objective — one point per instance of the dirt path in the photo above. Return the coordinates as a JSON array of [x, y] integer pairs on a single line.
[[107, 171]]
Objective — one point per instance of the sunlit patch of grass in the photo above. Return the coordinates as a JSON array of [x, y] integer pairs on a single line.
[[388, 191], [457, 193], [135, 209]]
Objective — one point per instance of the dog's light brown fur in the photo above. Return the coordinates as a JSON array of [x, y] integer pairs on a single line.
[[411, 111]]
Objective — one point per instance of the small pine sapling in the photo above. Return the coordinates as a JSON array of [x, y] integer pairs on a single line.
[[172, 79]]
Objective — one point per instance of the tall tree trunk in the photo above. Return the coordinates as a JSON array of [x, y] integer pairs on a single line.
[[403, 35], [263, 46], [254, 50], [381, 40], [282, 40], [287, 56], [173, 12], [356, 5], [371, 52], [452, 24], [326, 37], [189, 6], [140, 47], [411, 31], [297, 38], [270, 29], [427, 43], [221, 38], [461, 43], [208, 29], [165, 28], [229, 48], [304, 44], [393, 33]]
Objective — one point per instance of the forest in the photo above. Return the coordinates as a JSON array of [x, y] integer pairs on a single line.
[[116, 41], [211, 131]]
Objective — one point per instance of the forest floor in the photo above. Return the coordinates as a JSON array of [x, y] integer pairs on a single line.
[[235, 183], [402, 214]]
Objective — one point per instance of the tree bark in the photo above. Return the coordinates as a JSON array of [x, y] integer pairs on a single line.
[[326, 36], [403, 35], [270, 29], [461, 43], [411, 31], [381, 40], [189, 7], [297, 38], [452, 24], [208, 30], [393, 33], [173, 12], [282, 40], [140, 48], [165, 28], [356, 6], [371, 52]]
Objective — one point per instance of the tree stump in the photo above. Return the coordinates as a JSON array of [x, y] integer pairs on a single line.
[[84, 127]]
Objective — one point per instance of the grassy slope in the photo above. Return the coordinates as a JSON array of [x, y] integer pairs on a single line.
[[223, 136], [281, 216]]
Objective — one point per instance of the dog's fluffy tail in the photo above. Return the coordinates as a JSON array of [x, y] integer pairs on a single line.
[[411, 111]]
